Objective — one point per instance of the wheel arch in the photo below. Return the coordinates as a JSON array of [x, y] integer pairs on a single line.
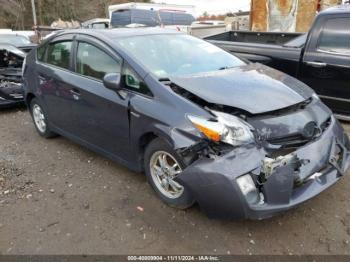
[[29, 98], [143, 142]]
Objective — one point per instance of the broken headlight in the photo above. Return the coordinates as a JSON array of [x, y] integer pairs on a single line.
[[225, 128]]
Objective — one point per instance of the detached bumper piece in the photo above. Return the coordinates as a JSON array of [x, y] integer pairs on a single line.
[[281, 184]]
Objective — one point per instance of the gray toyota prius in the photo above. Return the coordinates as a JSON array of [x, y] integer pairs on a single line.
[[240, 139]]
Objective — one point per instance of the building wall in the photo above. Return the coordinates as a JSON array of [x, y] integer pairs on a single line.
[[307, 9], [286, 15], [259, 15], [239, 22]]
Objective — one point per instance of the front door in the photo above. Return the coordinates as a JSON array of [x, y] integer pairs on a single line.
[[101, 115]]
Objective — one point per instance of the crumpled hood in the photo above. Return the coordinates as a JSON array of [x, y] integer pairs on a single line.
[[254, 88], [12, 49]]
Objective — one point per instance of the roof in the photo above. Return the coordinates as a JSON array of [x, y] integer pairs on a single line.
[[241, 13], [340, 9], [12, 34], [148, 5], [121, 32], [96, 20]]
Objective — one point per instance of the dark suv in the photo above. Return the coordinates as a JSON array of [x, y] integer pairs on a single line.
[[241, 140]]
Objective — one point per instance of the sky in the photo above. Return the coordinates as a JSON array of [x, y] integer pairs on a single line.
[[212, 6]]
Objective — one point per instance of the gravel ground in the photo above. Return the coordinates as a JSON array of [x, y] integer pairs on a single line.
[[57, 197]]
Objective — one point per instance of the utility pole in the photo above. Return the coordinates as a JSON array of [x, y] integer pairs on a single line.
[[34, 13]]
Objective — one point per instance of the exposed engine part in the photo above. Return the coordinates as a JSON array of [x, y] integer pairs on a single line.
[[11, 88], [10, 60], [204, 148], [270, 165]]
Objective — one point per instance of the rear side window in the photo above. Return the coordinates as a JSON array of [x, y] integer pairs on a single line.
[[93, 62], [122, 18], [336, 36], [58, 54]]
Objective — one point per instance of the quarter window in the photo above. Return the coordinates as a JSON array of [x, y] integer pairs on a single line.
[[93, 62], [336, 36], [133, 82], [58, 54], [41, 52]]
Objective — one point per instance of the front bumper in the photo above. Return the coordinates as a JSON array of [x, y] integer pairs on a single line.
[[10, 103], [213, 181]]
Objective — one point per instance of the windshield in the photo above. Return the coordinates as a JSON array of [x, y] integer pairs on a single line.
[[297, 42], [15, 40], [176, 54]]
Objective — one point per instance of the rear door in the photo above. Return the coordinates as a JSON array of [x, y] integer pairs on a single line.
[[54, 71], [101, 115], [326, 63]]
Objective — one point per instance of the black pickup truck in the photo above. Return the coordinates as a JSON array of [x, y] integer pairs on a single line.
[[320, 58]]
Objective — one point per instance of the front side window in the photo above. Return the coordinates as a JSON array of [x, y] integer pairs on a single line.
[[93, 62], [58, 54], [336, 36]]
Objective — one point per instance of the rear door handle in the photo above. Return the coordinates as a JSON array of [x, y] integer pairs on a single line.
[[316, 64], [75, 93], [42, 79]]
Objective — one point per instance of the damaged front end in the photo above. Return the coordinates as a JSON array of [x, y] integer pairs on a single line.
[[294, 154], [11, 88]]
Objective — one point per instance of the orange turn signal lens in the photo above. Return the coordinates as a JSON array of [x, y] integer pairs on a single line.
[[211, 134]]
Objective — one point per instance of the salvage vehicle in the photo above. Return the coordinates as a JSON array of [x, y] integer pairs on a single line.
[[240, 139], [19, 41], [321, 58], [11, 88]]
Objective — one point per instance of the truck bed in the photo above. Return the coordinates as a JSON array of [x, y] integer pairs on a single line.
[[277, 38], [280, 57]]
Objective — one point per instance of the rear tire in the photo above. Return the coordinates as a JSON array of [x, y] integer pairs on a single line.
[[40, 119], [162, 164]]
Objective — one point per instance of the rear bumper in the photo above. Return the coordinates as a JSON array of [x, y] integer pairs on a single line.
[[213, 181]]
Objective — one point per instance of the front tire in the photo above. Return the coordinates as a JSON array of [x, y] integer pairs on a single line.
[[40, 119], [162, 164]]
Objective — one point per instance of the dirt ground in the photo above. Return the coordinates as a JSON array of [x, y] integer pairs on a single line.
[[58, 198]]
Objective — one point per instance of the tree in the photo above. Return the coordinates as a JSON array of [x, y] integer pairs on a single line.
[[17, 14]]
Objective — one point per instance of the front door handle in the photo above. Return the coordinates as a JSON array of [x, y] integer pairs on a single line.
[[316, 64]]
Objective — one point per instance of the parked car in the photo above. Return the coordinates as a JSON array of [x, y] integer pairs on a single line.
[[242, 140], [11, 89], [19, 41], [321, 58], [152, 18]]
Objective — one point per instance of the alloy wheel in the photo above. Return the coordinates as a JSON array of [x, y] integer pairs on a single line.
[[39, 118], [164, 169]]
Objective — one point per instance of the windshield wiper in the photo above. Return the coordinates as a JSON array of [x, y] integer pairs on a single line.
[[226, 67]]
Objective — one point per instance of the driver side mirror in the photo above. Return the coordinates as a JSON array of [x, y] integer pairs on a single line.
[[112, 81]]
